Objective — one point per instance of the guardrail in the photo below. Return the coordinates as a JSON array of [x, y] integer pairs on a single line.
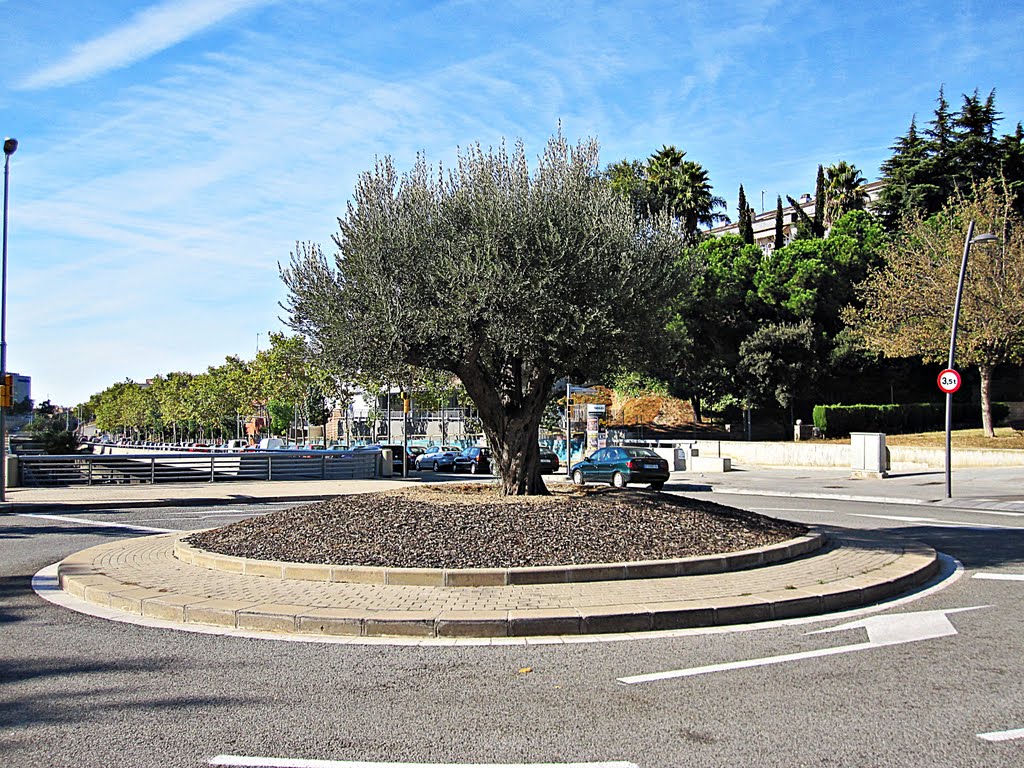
[[87, 469]]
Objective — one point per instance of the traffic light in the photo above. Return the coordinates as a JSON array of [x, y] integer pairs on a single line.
[[7, 391], [406, 402]]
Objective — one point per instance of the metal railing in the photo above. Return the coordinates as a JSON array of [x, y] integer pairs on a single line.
[[86, 469]]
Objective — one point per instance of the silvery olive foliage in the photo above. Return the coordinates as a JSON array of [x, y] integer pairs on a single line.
[[505, 277]]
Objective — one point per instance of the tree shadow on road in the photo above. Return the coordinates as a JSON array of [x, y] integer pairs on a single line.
[[975, 547]]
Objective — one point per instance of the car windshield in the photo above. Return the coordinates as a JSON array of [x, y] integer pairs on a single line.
[[641, 453]]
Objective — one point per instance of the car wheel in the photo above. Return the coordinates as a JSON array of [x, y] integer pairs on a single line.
[[473, 469], [618, 480], [435, 466], [657, 486], [577, 478]]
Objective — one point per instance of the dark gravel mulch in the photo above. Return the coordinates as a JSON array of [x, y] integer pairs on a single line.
[[472, 526]]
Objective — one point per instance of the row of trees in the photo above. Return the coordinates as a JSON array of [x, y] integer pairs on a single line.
[[285, 385], [213, 403]]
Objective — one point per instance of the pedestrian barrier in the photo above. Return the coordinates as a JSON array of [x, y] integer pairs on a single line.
[[85, 469]]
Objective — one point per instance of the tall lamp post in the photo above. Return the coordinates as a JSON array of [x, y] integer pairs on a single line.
[[968, 242], [10, 147]]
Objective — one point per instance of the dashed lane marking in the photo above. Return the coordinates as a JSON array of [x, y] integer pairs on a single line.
[[1000, 576], [279, 762], [934, 521], [1016, 733]]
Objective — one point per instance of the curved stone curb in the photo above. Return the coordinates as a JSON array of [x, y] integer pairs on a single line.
[[854, 570], [501, 577]]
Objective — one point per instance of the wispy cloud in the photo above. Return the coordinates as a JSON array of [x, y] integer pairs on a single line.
[[150, 31]]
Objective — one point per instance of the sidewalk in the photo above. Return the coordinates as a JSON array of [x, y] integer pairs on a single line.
[[999, 489], [990, 489]]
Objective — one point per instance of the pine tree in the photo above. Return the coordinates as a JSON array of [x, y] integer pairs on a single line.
[[940, 131], [975, 152], [1011, 165], [908, 179], [746, 219]]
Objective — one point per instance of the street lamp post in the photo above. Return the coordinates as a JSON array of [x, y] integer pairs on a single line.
[[968, 242], [10, 146]]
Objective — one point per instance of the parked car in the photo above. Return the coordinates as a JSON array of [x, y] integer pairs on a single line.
[[549, 463], [397, 457], [475, 460], [415, 451], [621, 466], [440, 458]]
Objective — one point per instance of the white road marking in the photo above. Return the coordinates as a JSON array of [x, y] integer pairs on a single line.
[[933, 521], [790, 509], [97, 523], [995, 512], [1016, 733], [893, 629], [898, 628], [1000, 576], [278, 762], [745, 664]]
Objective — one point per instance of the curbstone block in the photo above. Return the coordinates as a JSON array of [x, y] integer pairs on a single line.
[[476, 577], [472, 624], [615, 618], [170, 607], [744, 609], [682, 614], [221, 613], [331, 621], [399, 623], [415, 577], [130, 600], [544, 621], [307, 571], [274, 617]]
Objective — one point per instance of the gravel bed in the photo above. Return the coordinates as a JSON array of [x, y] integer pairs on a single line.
[[472, 526]]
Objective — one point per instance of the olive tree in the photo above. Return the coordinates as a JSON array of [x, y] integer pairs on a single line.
[[507, 278]]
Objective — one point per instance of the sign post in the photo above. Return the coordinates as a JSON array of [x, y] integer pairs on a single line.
[[949, 381]]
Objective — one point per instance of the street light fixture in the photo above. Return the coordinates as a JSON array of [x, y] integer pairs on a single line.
[[10, 147], [968, 242]]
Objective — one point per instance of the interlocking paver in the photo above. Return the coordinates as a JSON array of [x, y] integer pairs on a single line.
[[143, 576]]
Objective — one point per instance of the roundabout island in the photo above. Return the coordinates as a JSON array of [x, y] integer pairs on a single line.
[[460, 563]]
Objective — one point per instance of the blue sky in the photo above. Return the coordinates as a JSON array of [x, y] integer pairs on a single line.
[[172, 152]]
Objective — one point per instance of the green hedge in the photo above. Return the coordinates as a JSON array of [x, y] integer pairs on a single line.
[[841, 420]]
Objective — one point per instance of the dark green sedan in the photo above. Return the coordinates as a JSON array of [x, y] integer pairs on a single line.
[[621, 466]]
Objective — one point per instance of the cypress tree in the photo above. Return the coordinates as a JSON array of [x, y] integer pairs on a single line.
[[780, 235], [746, 219], [819, 204]]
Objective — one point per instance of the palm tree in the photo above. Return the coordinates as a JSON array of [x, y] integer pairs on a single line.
[[844, 191], [682, 188]]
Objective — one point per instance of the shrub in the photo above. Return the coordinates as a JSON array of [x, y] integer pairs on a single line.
[[841, 420]]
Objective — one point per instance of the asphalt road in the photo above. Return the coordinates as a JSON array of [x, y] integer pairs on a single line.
[[81, 691]]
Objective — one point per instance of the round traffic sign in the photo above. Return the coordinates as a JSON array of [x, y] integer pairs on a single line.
[[949, 381]]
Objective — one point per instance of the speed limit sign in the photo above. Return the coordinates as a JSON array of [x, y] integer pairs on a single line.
[[949, 381]]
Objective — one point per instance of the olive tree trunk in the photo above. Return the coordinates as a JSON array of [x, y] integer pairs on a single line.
[[510, 415]]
